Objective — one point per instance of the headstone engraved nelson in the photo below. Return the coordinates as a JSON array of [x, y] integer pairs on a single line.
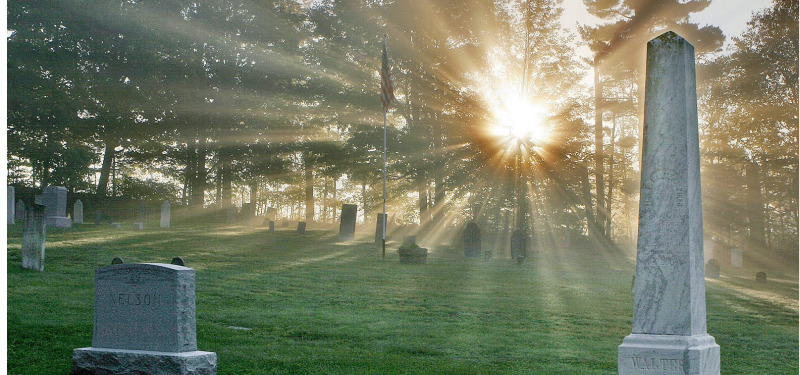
[[144, 322], [669, 314], [347, 223]]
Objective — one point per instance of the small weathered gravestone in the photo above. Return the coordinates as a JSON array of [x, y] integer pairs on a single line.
[[19, 211], [472, 240], [761, 277], [138, 226], [301, 227], [409, 240], [736, 257], [77, 210], [33, 237], [178, 261], [144, 323], [413, 254], [166, 212], [10, 209], [98, 217], [712, 269], [379, 227], [55, 199], [271, 226], [669, 305], [519, 246], [117, 260], [347, 223]]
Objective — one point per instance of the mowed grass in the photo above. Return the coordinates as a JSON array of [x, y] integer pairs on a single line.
[[314, 305]]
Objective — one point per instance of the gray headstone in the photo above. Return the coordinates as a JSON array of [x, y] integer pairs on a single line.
[[379, 226], [165, 214], [519, 246], [19, 211], [271, 226], [55, 199], [10, 209], [761, 277], [117, 260], [301, 227], [77, 210], [272, 213], [178, 261], [347, 224], [33, 237], [144, 322], [138, 226], [712, 269], [736, 257], [669, 313], [472, 240]]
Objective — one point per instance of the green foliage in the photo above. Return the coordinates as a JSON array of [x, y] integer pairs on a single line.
[[147, 189]]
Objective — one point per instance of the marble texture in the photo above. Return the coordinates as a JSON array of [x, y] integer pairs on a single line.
[[136, 362], [347, 223], [166, 212], [33, 236], [668, 354], [669, 291]]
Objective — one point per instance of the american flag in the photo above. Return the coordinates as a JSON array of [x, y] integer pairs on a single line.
[[387, 91]]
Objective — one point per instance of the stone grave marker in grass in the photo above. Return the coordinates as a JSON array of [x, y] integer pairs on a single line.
[[166, 211], [33, 236], [271, 226], [519, 246], [55, 199], [347, 223], [669, 313], [77, 212], [413, 254], [379, 227], [472, 240], [301, 227], [712, 269], [10, 209], [144, 323]]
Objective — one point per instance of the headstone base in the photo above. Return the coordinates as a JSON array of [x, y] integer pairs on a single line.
[[116, 361], [58, 222], [668, 354]]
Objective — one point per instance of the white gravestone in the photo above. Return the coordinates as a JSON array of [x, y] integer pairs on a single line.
[[77, 211], [165, 214], [55, 199], [33, 237], [144, 322], [736, 257], [669, 314], [10, 209]]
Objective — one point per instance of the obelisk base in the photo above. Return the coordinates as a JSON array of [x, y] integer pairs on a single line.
[[668, 355]]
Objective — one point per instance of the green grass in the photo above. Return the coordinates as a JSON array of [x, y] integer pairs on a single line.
[[315, 305]]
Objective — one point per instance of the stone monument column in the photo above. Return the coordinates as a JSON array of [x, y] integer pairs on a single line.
[[165, 214], [669, 314], [10, 208]]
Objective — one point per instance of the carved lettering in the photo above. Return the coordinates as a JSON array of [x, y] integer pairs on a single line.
[[657, 364], [136, 299]]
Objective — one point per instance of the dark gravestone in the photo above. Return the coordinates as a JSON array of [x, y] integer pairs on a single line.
[[712, 269], [379, 227], [413, 254], [33, 237], [519, 246], [347, 224], [761, 277], [301, 227], [117, 260], [472, 240], [271, 226], [178, 261]]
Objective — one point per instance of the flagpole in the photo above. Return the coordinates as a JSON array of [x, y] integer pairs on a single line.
[[383, 242]]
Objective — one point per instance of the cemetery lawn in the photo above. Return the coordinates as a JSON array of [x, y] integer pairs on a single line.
[[287, 303]]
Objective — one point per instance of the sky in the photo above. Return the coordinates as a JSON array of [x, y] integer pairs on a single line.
[[729, 15]]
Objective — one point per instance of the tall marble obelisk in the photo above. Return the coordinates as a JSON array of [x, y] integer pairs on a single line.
[[669, 314]]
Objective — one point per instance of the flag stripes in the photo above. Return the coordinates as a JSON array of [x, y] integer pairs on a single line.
[[387, 91]]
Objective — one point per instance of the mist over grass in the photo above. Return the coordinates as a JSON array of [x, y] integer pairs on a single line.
[[310, 304]]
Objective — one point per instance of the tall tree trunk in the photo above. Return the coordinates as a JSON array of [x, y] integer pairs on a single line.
[[755, 208], [364, 200], [610, 175], [599, 169], [253, 184], [200, 174], [227, 183], [105, 169], [422, 193], [308, 167]]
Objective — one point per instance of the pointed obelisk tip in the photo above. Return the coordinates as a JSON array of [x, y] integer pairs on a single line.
[[669, 37]]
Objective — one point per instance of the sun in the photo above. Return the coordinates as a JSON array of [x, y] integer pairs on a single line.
[[519, 120]]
